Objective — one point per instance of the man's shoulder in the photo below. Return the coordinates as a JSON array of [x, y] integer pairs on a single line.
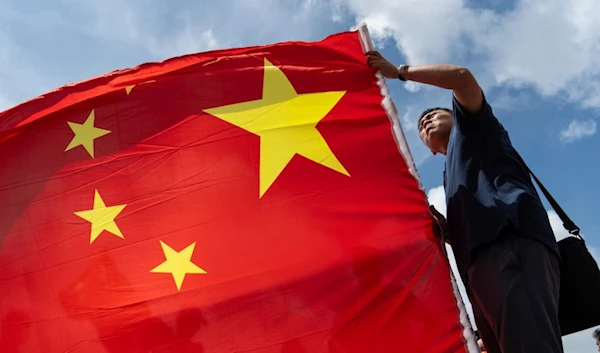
[[484, 119]]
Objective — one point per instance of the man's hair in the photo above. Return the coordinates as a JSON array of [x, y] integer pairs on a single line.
[[427, 111], [596, 333]]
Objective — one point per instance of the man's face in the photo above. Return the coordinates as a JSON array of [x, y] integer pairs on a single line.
[[434, 130]]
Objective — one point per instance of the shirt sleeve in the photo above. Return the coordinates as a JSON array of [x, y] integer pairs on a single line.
[[483, 120]]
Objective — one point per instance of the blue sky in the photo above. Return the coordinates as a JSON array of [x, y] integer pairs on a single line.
[[538, 62]]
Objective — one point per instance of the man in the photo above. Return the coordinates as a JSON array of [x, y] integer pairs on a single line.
[[596, 335], [504, 246]]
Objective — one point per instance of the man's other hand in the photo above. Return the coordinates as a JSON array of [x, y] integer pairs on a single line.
[[377, 61], [481, 346], [441, 220]]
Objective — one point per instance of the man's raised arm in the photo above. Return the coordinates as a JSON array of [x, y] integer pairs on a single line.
[[459, 79]]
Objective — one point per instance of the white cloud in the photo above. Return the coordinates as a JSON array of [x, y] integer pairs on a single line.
[[577, 130], [551, 45], [409, 118], [437, 198], [425, 33], [145, 27], [528, 44], [557, 226], [413, 87]]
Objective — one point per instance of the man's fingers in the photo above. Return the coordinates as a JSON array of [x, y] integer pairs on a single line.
[[372, 63], [374, 58], [375, 61]]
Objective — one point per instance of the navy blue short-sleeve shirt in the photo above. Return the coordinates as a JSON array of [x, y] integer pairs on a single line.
[[487, 187]]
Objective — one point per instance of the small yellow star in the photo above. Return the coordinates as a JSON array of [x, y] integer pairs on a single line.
[[129, 88], [85, 134], [178, 264], [286, 123], [102, 218]]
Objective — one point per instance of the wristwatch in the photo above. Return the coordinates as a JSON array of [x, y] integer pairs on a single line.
[[401, 71]]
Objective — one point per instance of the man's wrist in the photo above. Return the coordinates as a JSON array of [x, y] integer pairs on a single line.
[[402, 69]]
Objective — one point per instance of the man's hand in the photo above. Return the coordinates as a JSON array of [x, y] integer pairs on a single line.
[[377, 61], [481, 346], [441, 220]]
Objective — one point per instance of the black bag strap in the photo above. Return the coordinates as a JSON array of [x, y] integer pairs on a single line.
[[567, 222]]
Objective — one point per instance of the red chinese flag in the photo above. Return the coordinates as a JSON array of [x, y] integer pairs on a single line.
[[244, 200]]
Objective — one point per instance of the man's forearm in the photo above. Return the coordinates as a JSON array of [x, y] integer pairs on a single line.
[[465, 88], [441, 75]]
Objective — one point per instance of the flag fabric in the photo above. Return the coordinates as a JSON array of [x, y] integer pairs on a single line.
[[242, 200]]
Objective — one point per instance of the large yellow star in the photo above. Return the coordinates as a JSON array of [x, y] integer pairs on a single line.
[[178, 264], [85, 134], [102, 218], [286, 123]]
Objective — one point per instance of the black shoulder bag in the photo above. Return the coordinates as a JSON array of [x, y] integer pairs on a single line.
[[580, 277]]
